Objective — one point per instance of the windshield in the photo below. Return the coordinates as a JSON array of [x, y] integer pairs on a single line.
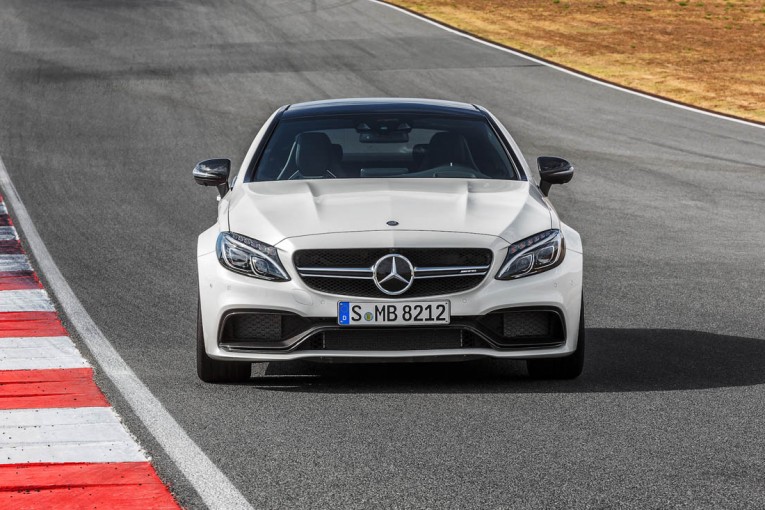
[[394, 146]]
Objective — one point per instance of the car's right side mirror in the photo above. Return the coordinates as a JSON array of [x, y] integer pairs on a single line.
[[553, 170], [213, 172]]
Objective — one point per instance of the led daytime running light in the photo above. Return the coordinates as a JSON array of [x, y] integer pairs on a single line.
[[535, 254], [249, 257]]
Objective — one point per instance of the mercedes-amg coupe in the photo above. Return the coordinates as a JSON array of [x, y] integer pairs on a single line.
[[387, 229]]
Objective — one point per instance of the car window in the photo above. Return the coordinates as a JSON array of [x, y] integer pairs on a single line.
[[389, 146]]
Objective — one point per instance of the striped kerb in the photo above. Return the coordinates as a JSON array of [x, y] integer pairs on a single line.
[[61, 444]]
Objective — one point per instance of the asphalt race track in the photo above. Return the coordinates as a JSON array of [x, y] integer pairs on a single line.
[[105, 106]]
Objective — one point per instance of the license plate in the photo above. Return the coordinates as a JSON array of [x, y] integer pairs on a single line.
[[421, 313]]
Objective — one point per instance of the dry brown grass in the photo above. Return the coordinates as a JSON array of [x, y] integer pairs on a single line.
[[709, 53]]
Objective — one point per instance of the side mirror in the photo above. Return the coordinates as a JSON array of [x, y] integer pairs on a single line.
[[213, 172], [553, 171]]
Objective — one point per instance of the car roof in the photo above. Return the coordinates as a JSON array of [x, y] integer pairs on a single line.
[[380, 105]]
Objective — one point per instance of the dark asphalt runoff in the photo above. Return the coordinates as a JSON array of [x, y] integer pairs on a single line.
[[105, 106]]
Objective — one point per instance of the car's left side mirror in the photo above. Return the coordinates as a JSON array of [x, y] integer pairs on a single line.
[[553, 170], [213, 172]]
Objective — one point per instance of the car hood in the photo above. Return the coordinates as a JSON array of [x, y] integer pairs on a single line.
[[274, 211]]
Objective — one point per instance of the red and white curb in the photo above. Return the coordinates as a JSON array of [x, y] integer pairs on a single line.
[[61, 444]]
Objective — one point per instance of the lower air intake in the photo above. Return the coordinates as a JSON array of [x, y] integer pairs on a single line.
[[513, 327], [261, 327], [392, 340], [255, 327], [524, 324]]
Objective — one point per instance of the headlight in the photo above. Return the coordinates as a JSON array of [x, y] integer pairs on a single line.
[[534, 254], [247, 256]]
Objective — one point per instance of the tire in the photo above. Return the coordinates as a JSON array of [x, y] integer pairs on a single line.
[[217, 371], [567, 367]]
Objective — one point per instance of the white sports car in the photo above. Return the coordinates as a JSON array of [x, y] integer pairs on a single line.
[[387, 229]]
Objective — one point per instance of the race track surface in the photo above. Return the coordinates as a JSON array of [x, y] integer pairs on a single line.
[[107, 105]]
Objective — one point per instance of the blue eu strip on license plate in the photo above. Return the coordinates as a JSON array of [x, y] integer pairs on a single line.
[[343, 313]]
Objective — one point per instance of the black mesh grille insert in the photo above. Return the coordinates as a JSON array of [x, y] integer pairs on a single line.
[[422, 257], [367, 288], [419, 257], [262, 327], [524, 324], [519, 324]]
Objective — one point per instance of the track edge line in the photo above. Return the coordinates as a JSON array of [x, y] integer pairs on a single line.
[[215, 489]]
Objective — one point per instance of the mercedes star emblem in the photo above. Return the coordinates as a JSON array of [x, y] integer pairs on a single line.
[[393, 274]]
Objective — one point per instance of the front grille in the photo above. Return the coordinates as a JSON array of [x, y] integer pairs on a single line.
[[367, 288], [362, 285], [366, 257]]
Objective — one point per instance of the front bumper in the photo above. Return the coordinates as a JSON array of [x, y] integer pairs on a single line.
[[223, 293]]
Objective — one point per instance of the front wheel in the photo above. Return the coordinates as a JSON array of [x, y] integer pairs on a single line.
[[216, 371], [567, 367]]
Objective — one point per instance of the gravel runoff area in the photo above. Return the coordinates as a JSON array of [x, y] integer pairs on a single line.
[[705, 53]]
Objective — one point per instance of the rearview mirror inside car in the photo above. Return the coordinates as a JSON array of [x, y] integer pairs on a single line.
[[553, 170], [213, 172]]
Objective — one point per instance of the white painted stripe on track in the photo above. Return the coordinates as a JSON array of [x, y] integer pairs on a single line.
[[215, 489], [571, 72], [13, 263], [8, 233], [39, 353], [26, 300], [85, 434], [3, 209]]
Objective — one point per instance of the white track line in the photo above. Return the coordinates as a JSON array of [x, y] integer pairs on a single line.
[[39, 353], [564, 70], [84, 434], [215, 489], [26, 300]]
